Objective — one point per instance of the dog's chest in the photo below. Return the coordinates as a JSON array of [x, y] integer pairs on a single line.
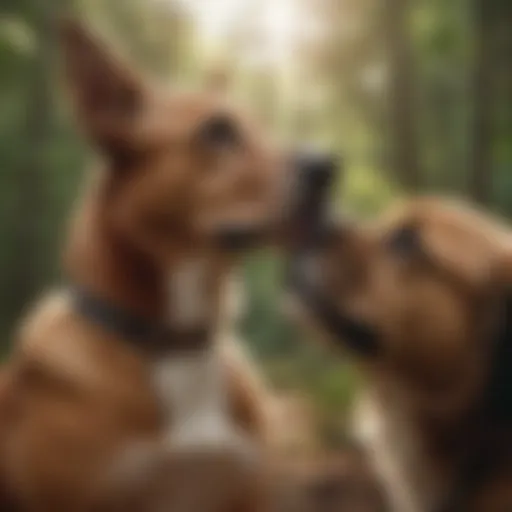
[[192, 393], [190, 385]]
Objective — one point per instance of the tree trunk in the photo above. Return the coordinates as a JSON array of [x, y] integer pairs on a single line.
[[28, 250], [481, 133], [403, 140]]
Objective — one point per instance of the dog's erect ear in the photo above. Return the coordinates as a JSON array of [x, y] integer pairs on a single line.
[[107, 95]]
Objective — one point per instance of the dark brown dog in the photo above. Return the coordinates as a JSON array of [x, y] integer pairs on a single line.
[[117, 396], [422, 300]]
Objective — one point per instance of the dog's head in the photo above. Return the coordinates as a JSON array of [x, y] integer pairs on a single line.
[[185, 169], [420, 293]]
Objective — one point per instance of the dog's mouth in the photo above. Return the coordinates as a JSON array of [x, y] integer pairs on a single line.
[[306, 281]]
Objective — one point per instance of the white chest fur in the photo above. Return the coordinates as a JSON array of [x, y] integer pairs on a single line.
[[397, 457], [192, 391], [191, 387], [188, 294]]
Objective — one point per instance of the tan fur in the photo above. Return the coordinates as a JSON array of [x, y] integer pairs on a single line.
[[75, 400], [436, 313]]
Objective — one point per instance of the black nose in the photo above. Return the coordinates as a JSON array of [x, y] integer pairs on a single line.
[[316, 170], [315, 174]]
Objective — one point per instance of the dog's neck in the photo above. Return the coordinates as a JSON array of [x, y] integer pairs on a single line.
[[107, 263]]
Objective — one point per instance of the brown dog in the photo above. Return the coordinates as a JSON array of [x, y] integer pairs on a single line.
[[422, 299], [118, 378]]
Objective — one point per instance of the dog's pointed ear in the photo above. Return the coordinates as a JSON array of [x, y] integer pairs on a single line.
[[107, 95]]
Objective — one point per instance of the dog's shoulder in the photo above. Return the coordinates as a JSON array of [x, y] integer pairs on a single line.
[[52, 312], [64, 346], [62, 378], [52, 337]]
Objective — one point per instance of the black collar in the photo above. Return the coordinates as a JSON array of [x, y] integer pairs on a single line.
[[146, 335]]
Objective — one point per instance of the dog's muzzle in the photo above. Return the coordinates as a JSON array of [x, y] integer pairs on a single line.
[[305, 283]]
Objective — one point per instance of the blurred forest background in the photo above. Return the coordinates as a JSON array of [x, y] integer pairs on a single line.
[[415, 94]]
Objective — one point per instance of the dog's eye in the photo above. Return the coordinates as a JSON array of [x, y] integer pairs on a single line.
[[404, 241], [219, 132]]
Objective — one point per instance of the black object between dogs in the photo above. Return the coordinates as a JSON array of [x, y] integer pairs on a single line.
[[310, 216]]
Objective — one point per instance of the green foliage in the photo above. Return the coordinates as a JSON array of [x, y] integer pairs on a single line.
[[263, 325], [294, 359], [323, 376], [367, 191]]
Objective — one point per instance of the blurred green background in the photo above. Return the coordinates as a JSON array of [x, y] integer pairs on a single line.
[[415, 94]]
